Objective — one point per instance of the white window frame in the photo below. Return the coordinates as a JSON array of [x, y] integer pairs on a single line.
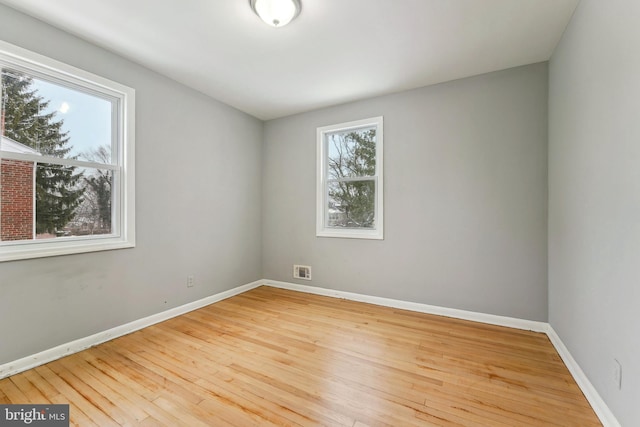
[[322, 196], [123, 122]]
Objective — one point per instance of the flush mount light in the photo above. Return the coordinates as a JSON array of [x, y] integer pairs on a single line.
[[276, 13]]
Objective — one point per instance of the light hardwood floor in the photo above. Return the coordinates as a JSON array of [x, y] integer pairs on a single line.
[[277, 357]]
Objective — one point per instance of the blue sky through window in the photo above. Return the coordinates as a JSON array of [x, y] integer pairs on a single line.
[[87, 118]]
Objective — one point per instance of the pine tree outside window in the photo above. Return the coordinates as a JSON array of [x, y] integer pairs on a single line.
[[349, 180], [66, 159]]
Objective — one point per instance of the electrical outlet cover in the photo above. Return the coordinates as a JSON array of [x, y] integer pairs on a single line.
[[617, 374]]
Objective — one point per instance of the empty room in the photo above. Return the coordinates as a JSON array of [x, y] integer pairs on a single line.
[[320, 212]]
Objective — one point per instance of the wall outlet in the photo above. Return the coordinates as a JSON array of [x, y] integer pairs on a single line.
[[617, 374], [302, 272], [190, 281]]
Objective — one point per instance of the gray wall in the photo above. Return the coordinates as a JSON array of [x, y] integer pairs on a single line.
[[198, 210], [594, 197], [465, 197]]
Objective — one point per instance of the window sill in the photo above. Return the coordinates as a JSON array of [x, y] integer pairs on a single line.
[[351, 234], [48, 249]]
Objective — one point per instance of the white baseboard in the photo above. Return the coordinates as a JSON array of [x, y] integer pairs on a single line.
[[52, 354], [599, 406], [511, 322]]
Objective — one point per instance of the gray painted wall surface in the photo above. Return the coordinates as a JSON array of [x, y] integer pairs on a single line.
[[594, 197], [465, 197], [198, 210]]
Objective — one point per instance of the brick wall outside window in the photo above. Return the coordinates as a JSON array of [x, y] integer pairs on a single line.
[[16, 200]]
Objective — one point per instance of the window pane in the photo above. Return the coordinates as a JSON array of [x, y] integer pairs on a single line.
[[55, 120], [94, 213], [351, 204], [49, 201], [351, 153], [72, 201]]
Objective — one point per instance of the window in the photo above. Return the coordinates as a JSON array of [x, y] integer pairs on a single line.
[[66, 159], [349, 180]]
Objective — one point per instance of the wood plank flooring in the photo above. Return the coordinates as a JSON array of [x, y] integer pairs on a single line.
[[272, 357]]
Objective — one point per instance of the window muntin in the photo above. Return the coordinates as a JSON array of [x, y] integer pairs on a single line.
[[349, 183], [75, 131]]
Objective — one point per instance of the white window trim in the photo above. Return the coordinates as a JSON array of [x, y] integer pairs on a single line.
[[321, 183], [123, 206]]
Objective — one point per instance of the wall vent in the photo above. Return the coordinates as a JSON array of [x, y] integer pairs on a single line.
[[302, 272]]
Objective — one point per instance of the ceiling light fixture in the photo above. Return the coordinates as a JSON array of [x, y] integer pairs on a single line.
[[276, 13]]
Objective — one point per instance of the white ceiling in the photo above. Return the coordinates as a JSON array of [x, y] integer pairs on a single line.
[[336, 50]]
